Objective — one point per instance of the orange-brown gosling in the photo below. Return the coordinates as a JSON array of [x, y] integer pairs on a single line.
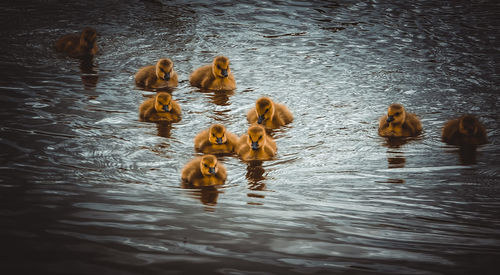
[[269, 114], [256, 145], [215, 140], [204, 171], [215, 76], [398, 123], [79, 45], [160, 108], [465, 130], [161, 75]]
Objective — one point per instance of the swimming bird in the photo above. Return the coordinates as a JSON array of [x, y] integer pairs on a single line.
[[204, 171], [161, 75], [256, 144], [215, 140], [215, 76], [269, 114], [465, 130], [82, 45], [399, 123], [160, 108]]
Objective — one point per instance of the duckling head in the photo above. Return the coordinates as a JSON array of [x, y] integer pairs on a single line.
[[264, 108], [217, 134], [208, 165], [220, 67], [256, 137], [396, 114], [163, 102], [468, 125], [88, 38], [164, 68]]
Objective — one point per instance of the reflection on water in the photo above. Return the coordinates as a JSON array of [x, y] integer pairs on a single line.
[[89, 74], [164, 128]]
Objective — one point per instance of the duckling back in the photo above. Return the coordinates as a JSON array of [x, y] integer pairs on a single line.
[[398, 123], [204, 171], [216, 76], [256, 145], [161, 75], [79, 45], [160, 108], [269, 114], [466, 130], [215, 140]]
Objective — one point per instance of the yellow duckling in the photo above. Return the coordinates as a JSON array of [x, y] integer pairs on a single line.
[[204, 171], [215, 140], [215, 76], [79, 45], [465, 130], [160, 76], [160, 108], [269, 114], [256, 145], [398, 123]]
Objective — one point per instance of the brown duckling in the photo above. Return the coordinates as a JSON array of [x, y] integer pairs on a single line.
[[215, 76], [161, 75], [204, 171], [79, 45], [215, 140], [256, 144], [465, 130], [160, 108], [399, 123], [269, 114]]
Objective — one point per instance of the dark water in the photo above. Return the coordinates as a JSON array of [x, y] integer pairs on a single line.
[[88, 189]]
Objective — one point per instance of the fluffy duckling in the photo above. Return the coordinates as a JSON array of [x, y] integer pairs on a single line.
[[215, 76], [204, 171], [465, 130], [215, 140], [256, 145], [398, 123], [160, 108], [79, 45], [269, 114], [161, 75]]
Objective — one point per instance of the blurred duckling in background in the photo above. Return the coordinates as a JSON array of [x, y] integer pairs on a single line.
[[269, 114], [161, 75], [398, 123], [465, 130], [160, 108], [256, 145], [215, 140], [215, 76], [204, 171], [82, 45]]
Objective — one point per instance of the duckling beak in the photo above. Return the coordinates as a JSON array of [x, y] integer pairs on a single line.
[[219, 141], [224, 73], [211, 170], [255, 145], [390, 119], [166, 77], [165, 108], [260, 119]]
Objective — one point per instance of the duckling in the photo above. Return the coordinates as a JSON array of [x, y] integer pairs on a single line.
[[160, 108], [269, 114], [215, 76], [79, 45], [215, 140], [160, 76], [399, 123], [465, 130], [256, 144], [204, 171]]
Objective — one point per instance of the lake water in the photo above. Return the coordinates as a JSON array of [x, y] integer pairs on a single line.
[[86, 188]]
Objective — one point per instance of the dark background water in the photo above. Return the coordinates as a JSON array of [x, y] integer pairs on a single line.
[[86, 188]]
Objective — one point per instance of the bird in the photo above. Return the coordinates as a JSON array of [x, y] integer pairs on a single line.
[[269, 114], [82, 45], [215, 140], [204, 171], [215, 76], [256, 144], [160, 108], [161, 75], [465, 130], [399, 123]]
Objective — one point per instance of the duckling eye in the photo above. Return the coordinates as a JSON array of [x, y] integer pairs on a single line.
[[396, 114], [206, 166], [260, 137], [218, 67]]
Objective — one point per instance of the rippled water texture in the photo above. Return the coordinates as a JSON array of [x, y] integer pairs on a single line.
[[88, 189]]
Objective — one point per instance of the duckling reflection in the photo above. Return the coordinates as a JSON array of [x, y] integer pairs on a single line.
[[220, 98], [255, 175], [395, 160], [207, 195], [88, 73], [164, 128]]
